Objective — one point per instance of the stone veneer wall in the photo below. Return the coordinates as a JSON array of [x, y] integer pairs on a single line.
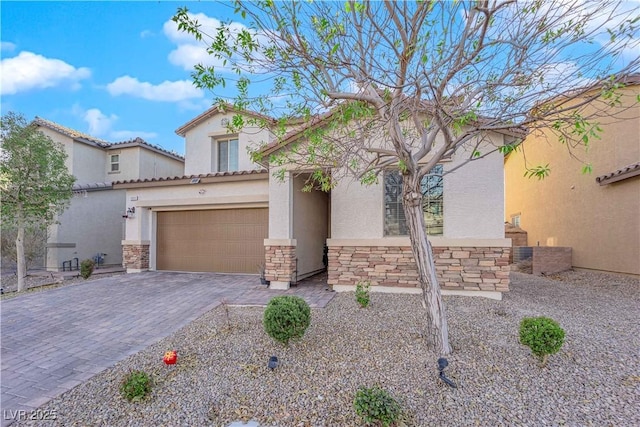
[[458, 268], [280, 263], [135, 256]]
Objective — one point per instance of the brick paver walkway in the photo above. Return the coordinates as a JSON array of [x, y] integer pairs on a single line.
[[54, 340]]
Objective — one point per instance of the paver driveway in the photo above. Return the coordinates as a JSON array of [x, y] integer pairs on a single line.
[[54, 340]]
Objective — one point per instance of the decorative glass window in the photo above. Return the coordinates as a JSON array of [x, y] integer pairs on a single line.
[[395, 223], [115, 162], [227, 155]]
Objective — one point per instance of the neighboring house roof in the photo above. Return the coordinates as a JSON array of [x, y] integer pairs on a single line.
[[96, 186], [97, 142], [194, 179], [72, 133], [624, 173], [182, 130], [139, 142]]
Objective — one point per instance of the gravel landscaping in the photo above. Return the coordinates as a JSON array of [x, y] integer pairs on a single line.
[[222, 375]]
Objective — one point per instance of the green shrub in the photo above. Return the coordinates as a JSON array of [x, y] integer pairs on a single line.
[[543, 335], [376, 405], [136, 386], [286, 317], [362, 293], [86, 268]]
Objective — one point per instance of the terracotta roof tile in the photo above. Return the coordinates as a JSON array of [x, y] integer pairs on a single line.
[[620, 174], [189, 177], [72, 133]]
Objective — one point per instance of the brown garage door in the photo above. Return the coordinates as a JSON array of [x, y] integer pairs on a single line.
[[223, 240]]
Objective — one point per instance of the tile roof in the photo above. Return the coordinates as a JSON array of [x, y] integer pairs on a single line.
[[182, 130], [319, 120], [190, 177], [83, 137], [142, 143], [615, 176], [93, 186], [72, 133]]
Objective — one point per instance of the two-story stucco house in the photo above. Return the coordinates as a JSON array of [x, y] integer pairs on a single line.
[[230, 215], [596, 214], [94, 222]]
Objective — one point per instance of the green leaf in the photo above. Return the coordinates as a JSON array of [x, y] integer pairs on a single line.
[[539, 172]]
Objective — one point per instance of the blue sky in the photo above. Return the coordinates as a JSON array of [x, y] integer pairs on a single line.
[[115, 70]]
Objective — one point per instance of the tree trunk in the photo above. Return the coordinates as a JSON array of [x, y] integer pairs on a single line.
[[22, 267], [437, 330]]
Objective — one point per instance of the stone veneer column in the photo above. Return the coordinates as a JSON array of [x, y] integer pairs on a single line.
[[458, 268], [135, 256], [280, 263]]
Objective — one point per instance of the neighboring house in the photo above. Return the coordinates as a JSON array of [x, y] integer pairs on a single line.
[[93, 224], [230, 215], [596, 214]]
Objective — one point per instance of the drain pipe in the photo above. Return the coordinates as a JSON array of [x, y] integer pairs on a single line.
[[442, 364]]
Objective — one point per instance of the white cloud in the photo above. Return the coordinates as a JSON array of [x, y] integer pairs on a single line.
[[99, 123], [7, 46], [190, 51], [207, 25], [199, 105], [166, 91], [146, 33], [31, 71], [102, 125]]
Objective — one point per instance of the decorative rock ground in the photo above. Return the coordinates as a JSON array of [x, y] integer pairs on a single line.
[[222, 374]]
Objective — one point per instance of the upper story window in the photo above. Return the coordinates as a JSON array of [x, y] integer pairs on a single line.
[[227, 150], [395, 223], [115, 163], [515, 220]]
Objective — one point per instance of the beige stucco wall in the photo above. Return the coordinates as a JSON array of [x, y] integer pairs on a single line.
[[129, 159], [310, 227], [473, 200], [139, 162], [200, 153], [85, 162], [568, 208], [156, 165], [88, 164], [280, 206], [67, 144], [93, 223], [220, 195], [474, 194]]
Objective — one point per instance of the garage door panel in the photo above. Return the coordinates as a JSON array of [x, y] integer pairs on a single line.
[[226, 240]]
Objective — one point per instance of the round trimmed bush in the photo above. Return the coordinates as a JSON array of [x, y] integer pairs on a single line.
[[286, 317], [376, 405], [543, 335]]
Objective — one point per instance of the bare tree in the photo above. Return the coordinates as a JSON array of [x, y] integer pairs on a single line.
[[429, 78]]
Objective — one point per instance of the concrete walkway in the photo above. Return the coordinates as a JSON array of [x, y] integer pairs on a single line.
[[54, 340]]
